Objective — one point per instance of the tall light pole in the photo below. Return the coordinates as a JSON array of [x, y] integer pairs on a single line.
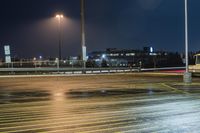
[[187, 75], [59, 17], [83, 32]]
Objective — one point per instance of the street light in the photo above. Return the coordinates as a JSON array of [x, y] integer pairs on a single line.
[[59, 17], [187, 75]]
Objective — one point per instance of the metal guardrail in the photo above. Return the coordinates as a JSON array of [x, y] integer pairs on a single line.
[[164, 68], [82, 70], [69, 66], [48, 69]]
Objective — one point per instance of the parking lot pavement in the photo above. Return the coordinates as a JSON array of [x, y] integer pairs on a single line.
[[100, 103]]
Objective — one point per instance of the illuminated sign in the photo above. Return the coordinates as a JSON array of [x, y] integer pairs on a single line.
[[151, 49], [84, 53], [8, 59], [7, 49], [7, 54]]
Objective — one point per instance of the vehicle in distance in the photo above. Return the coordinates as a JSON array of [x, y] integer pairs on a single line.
[[195, 69]]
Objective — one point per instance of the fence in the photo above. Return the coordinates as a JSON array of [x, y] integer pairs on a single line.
[[69, 66]]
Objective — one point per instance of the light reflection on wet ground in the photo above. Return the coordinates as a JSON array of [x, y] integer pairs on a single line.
[[109, 104]]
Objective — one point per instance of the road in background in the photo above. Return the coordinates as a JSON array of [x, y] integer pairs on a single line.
[[135, 102]]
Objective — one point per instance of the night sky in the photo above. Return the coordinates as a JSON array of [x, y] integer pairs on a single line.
[[30, 26]]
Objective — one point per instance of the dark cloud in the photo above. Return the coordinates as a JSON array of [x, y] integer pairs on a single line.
[[149, 4], [29, 26]]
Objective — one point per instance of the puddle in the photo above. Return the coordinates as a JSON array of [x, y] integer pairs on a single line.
[[23, 96], [111, 92]]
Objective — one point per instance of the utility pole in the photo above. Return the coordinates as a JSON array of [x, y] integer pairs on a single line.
[[83, 33], [187, 75], [59, 17]]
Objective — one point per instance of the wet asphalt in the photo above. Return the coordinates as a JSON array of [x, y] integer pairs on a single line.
[[118, 103]]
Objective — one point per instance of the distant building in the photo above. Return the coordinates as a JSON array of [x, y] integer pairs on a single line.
[[135, 58]]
